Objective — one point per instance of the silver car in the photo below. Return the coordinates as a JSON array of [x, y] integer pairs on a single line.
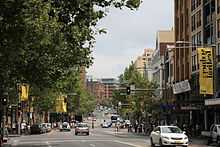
[[82, 128]]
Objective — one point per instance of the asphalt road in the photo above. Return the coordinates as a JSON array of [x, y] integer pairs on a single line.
[[97, 138]]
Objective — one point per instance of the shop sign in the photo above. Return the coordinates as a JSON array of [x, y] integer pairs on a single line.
[[189, 108], [205, 70], [181, 87], [210, 102]]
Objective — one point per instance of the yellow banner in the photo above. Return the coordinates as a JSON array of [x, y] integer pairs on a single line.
[[205, 57], [60, 104], [24, 89]]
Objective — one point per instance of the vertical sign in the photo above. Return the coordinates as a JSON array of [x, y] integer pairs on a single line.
[[24, 91], [205, 57]]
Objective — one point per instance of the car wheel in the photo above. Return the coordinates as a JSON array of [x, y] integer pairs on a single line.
[[152, 143], [88, 133], [218, 141], [161, 143], [76, 133]]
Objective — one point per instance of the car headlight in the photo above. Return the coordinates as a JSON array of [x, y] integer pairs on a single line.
[[165, 137], [185, 137]]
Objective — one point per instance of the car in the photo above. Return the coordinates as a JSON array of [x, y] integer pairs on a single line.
[[168, 136], [214, 134], [106, 124], [46, 127], [65, 127], [37, 129], [127, 123], [82, 128]]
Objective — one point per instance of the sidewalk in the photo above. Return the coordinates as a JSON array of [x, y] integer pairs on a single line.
[[198, 141]]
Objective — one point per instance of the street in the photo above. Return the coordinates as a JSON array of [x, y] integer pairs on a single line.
[[99, 137]]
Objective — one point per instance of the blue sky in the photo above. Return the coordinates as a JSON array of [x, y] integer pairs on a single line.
[[128, 33]]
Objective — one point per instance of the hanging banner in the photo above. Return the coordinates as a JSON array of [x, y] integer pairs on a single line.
[[24, 92], [205, 57], [61, 105]]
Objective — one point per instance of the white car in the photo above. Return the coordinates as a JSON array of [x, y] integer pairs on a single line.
[[168, 136]]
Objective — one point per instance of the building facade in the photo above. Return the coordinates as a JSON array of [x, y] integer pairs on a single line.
[[142, 63], [163, 39], [197, 24], [110, 85], [97, 89]]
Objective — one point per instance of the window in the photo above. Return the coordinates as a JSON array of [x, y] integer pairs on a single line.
[[218, 6], [218, 28], [198, 18], [218, 52], [194, 41], [193, 4], [198, 3], [199, 40], [157, 129], [193, 22], [215, 129]]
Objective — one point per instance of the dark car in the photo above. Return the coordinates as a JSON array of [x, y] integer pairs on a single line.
[[37, 129]]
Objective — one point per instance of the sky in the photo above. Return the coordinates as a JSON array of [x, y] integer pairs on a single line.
[[128, 34]]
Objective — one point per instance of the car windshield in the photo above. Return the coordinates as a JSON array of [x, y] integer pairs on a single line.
[[171, 130], [82, 125]]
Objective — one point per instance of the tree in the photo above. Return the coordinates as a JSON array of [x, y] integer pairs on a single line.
[[41, 40], [141, 101]]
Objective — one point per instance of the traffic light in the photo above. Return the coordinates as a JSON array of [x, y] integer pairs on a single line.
[[4, 101], [128, 90]]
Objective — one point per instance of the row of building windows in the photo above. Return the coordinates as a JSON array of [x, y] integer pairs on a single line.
[[196, 20], [195, 4]]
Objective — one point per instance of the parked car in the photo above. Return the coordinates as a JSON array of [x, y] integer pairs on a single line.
[[82, 128], [214, 134], [65, 126], [37, 129], [106, 124], [127, 123], [46, 127], [168, 136]]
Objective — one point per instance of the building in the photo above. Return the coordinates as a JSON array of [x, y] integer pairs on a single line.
[[110, 85], [142, 63], [163, 39], [97, 89], [197, 24]]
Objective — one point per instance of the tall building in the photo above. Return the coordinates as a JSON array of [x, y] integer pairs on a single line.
[[163, 39], [142, 63], [97, 89], [110, 85], [197, 24], [102, 89]]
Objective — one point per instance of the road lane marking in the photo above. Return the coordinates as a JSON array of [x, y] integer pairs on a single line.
[[48, 144], [15, 142], [126, 143], [62, 141], [92, 145]]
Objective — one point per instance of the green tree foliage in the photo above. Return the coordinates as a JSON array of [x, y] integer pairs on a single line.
[[140, 101], [43, 39]]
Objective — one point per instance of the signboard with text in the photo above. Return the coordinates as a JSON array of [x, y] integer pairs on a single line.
[[205, 59], [181, 87]]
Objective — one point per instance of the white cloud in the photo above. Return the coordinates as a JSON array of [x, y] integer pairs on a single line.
[[129, 32]]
